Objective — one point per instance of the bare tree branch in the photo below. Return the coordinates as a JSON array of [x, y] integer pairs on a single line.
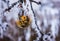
[[36, 22], [35, 2], [9, 8]]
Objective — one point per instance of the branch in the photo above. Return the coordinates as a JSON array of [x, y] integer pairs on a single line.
[[35, 2], [36, 22], [9, 8]]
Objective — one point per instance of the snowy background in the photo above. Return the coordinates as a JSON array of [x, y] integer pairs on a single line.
[[45, 25]]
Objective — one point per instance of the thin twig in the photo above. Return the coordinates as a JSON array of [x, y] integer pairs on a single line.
[[36, 22], [10, 7], [36, 2]]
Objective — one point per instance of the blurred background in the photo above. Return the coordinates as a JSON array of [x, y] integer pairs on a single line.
[[43, 20]]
